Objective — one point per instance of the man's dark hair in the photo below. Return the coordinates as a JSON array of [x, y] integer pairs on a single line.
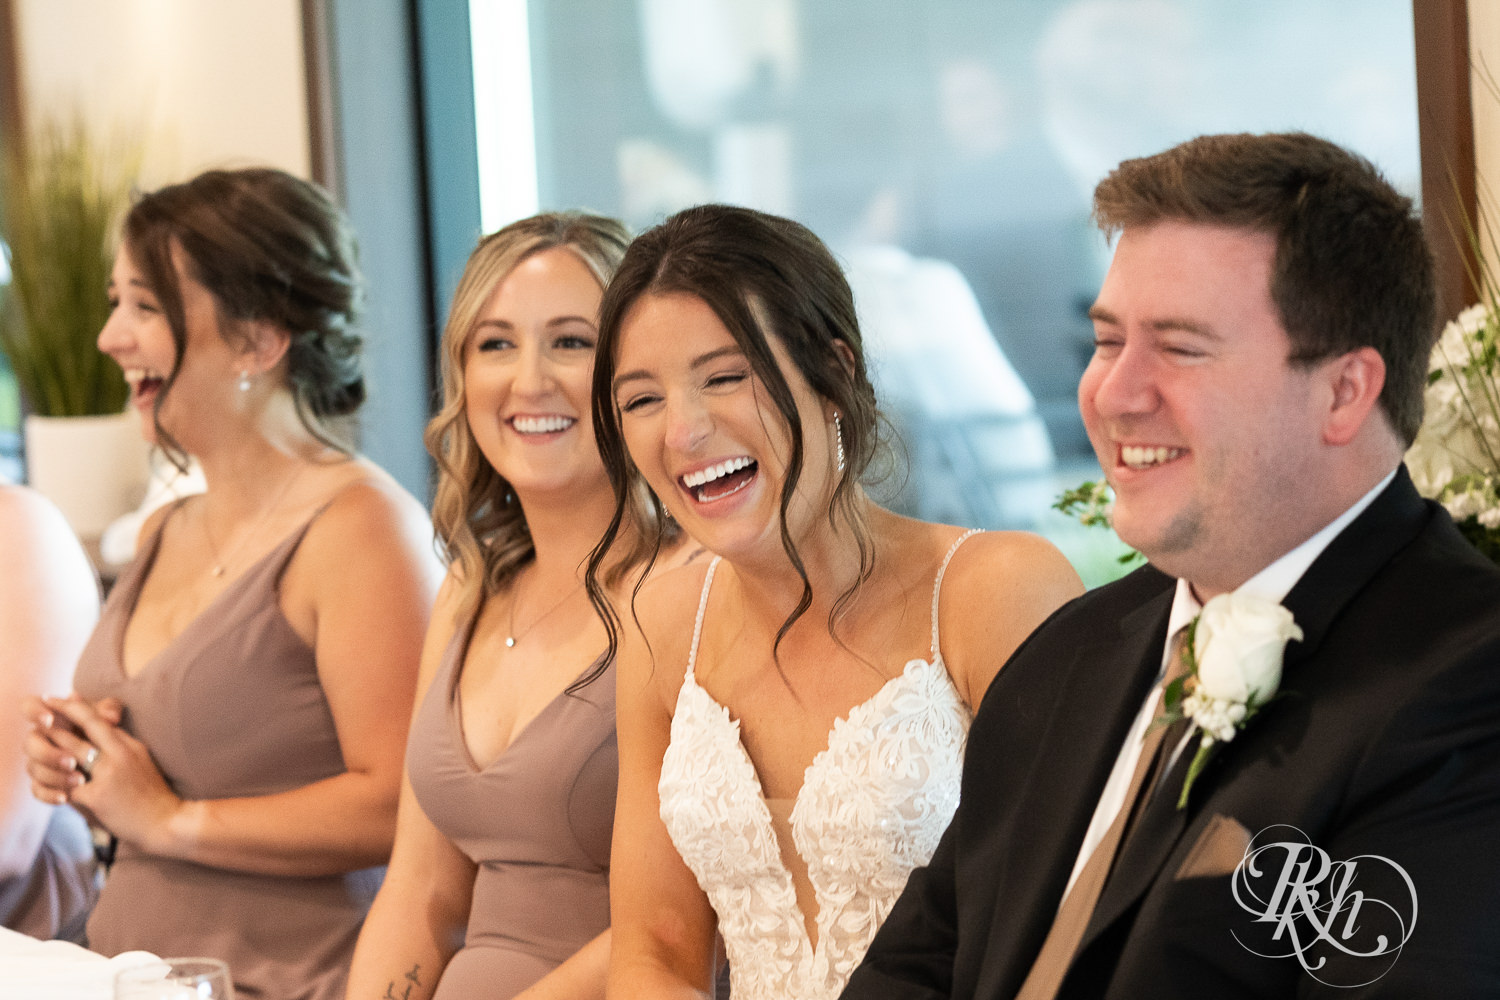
[[1352, 268]]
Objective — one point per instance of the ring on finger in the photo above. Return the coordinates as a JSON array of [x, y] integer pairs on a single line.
[[86, 765]]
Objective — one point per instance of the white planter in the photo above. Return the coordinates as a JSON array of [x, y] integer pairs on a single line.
[[93, 468]]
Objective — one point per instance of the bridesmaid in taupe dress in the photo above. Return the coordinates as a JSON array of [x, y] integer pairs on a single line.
[[242, 705], [500, 877]]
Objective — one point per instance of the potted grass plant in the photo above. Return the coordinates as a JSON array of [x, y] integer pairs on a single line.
[[60, 197]]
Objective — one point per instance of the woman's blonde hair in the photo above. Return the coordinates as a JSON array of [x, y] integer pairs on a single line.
[[478, 522]]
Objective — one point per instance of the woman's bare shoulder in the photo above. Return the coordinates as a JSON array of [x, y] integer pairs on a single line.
[[365, 523], [1012, 561], [366, 505], [999, 586], [656, 622], [365, 490], [668, 598], [37, 539], [26, 513]]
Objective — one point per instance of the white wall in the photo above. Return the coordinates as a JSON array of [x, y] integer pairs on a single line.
[[203, 82]]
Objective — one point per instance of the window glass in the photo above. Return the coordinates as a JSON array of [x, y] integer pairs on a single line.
[[946, 150]]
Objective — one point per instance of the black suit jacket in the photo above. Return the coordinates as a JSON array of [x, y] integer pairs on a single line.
[[1385, 742]]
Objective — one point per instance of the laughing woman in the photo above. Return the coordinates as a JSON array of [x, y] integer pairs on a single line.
[[499, 885], [264, 643], [792, 717]]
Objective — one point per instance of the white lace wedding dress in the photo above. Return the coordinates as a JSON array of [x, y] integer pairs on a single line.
[[872, 807]]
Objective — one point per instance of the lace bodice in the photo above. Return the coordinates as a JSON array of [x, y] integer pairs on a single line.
[[872, 807]]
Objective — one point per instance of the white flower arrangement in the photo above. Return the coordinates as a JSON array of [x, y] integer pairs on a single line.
[[1234, 651], [1456, 457]]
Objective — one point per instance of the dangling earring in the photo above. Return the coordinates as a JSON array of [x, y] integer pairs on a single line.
[[838, 433], [244, 382]]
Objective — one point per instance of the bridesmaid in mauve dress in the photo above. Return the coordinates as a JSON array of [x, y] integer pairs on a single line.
[[241, 707], [499, 883]]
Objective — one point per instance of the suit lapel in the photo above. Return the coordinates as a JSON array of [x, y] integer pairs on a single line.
[[1070, 756], [1388, 525]]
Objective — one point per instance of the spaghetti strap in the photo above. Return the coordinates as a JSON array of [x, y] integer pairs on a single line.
[[937, 586], [288, 546], [708, 581], [270, 566], [172, 507]]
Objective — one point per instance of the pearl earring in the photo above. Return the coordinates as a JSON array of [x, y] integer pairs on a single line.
[[244, 381], [838, 433]]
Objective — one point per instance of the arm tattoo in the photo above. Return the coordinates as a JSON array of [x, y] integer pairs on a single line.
[[412, 980]]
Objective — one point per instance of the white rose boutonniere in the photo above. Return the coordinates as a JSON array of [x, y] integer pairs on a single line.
[[1235, 649]]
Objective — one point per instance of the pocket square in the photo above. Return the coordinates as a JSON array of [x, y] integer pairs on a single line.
[[1218, 850]]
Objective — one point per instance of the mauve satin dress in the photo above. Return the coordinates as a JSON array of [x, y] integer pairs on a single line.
[[537, 821], [232, 707]]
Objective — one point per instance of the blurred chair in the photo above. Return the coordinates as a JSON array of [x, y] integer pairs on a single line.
[[978, 452]]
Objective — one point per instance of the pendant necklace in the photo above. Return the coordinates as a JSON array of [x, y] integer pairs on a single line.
[[222, 563], [512, 636]]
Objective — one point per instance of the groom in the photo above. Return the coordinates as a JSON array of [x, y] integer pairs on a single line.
[[1262, 338]]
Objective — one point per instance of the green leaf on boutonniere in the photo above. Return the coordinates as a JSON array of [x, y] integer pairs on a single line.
[[1172, 697], [1175, 691]]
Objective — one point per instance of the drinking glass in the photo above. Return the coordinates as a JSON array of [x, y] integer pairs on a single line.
[[175, 979]]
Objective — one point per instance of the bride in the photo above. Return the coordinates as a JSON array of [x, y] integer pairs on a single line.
[[791, 717]]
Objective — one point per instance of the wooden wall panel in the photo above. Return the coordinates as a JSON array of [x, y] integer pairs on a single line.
[[1446, 120]]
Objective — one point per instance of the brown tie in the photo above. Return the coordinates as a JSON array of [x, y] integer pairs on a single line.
[[1072, 918]]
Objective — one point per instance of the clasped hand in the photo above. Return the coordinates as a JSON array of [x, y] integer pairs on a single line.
[[118, 788]]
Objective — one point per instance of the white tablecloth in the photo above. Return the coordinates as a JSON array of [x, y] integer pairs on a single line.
[[56, 970]]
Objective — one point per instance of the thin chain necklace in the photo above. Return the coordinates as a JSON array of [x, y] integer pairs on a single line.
[[512, 636], [220, 563]]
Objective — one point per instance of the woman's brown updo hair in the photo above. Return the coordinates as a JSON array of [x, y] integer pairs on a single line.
[[270, 248]]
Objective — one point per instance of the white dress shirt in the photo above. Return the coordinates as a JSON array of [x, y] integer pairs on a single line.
[[1273, 584]]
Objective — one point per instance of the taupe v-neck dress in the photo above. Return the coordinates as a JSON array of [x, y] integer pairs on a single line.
[[232, 707], [537, 821]]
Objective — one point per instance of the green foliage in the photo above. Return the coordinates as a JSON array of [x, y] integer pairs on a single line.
[[10, 400], [1089, 504], [58, 204]]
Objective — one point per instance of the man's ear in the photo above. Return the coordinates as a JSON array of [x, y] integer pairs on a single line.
[[1355, 380], [265, 345]]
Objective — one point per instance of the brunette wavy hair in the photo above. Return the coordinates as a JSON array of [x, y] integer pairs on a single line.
[[763, 276], [478, 522], [269, 247]]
